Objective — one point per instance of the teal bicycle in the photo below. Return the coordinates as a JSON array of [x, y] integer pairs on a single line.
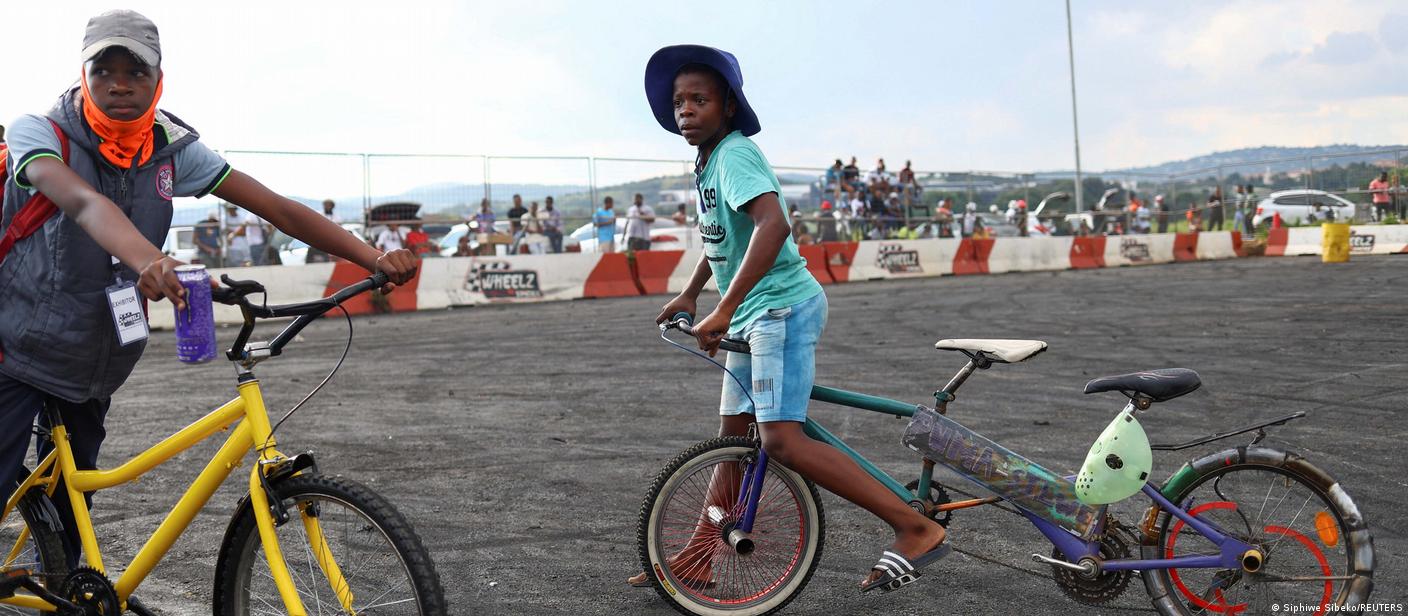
[[723, 531]]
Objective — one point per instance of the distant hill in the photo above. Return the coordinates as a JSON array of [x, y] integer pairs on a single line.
[[1321, 156]]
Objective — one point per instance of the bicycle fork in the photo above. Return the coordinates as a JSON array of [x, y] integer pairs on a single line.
[[740, 537]]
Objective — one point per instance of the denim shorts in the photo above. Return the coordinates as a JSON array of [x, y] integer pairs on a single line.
[[781, 368]]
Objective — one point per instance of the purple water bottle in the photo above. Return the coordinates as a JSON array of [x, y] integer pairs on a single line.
[[195, 326]]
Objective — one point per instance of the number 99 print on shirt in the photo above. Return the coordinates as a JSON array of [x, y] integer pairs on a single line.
[[734, 175]]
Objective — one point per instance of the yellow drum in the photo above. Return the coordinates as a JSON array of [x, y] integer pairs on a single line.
[[1334, 242]]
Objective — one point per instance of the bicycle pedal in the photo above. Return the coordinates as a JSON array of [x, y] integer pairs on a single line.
[[12, 581]]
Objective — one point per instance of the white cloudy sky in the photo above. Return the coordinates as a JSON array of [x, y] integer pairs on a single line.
[[950, 85]]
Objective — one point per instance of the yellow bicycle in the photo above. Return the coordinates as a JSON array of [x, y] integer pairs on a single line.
[[299, 542]]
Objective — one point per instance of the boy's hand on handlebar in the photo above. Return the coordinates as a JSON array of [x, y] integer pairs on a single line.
[[681, 303], [710, 331], [398, 265], [158, 280]]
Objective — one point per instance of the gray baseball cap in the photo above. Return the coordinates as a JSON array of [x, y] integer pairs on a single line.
[[129, 30]]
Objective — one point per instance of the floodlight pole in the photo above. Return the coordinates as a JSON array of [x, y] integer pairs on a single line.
[[1075, 121]]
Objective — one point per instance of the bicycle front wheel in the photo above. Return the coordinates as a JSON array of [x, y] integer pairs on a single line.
[[348, 550], [686, 518], [1317, 551], [30, 541]]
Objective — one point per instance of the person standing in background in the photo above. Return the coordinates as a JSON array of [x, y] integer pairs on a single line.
[[391, 238], [315, 255], [680, 217], [605, 222], [207, 240], [1215, 211], [515, 223], [1251, 211], [236, 244], [1162, 214], [418, 241], [1378, 189], [484, 227], [552, 225], [533, 236], [254, 233], [638, 220]]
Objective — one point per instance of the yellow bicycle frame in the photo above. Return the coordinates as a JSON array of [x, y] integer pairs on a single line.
[[252, 433]]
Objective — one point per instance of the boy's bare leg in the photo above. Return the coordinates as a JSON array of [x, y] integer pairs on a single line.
[[695, 561], [786, 443]]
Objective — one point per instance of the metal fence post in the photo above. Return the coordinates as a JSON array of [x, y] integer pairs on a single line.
[[488, 183], [366, 192], [591, 180], [1306, 175]]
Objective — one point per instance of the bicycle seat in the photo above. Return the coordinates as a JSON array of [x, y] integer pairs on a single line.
[[1005, 351], [1159, 385]]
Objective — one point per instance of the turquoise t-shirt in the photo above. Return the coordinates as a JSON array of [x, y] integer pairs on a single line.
[[735, 174], [606, 233]]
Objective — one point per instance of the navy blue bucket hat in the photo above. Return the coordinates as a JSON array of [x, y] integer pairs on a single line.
[[660, 84]]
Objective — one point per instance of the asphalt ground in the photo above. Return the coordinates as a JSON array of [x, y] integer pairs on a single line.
[[519, 440]]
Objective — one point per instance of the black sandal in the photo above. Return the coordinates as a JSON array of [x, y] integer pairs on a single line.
[[899, 572]]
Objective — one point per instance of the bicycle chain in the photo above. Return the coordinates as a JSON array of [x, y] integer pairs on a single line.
[[91, 590]]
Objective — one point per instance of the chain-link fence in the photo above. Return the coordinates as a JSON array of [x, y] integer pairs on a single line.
[[450, 189]]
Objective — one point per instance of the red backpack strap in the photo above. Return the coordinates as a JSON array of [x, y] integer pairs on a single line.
[[36, 211]]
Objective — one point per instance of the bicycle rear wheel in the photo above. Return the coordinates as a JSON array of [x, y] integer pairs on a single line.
[[384, 567], [688, 513], [1317, 550], [30, 540]]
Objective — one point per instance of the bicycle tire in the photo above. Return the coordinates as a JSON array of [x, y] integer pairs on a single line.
[[690, 598], [242, 582], [1341, 531], [50, 563]]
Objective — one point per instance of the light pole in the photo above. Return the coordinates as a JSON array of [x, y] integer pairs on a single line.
[[1075, 120]]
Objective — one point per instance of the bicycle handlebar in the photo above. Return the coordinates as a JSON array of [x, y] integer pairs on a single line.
[[235, 293], [685, 323]]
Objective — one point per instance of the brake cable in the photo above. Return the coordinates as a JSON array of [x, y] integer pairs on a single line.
[[711, 360], [320, 385]]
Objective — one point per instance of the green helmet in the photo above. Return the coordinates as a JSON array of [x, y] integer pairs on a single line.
[[1118, 463]]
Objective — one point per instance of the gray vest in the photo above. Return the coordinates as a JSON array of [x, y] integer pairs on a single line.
[[56, 328]]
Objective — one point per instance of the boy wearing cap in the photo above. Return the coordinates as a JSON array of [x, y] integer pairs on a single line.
[[106, 162], [768, 298]]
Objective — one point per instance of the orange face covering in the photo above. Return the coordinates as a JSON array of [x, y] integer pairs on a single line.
[[122, 140]]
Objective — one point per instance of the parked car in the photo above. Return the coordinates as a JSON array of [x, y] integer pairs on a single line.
[[181, 244], [293, 251], [1298, 205], [664, 235]]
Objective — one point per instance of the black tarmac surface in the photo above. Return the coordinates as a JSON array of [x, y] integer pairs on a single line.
[[520, 440]]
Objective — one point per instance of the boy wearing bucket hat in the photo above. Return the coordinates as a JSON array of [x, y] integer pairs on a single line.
[[767, 297], [87, 202]]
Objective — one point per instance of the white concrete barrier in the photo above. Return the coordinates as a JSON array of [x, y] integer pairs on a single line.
[[1215, 245], [1029, 254]]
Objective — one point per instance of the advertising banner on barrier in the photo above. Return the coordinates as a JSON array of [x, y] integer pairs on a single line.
[[1378, 239], [1138, 249], [883, 259], [464, 281], [1030, 254]]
